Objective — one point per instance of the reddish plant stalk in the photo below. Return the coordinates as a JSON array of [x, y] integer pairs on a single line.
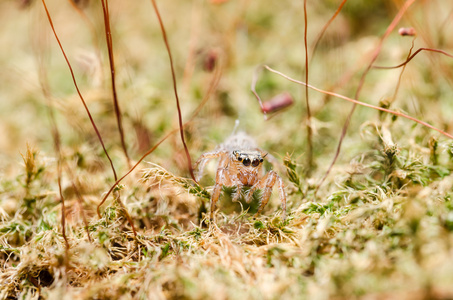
[[109, 41], [276, 103], [318, 38], [57, 148], [253, 89], [412, 56], [307, 102], [78, 91], [84, 16], [132, 169], [175, 89], [324, 28], [357, 102], [401, 73], [390, 28], [88, 112], [94, 35], [79, 201], [424, 31], [212, 86]]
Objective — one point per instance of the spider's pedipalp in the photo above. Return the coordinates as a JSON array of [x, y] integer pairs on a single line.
[[238, 193]]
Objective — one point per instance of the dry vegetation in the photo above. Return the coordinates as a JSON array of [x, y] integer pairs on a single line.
[[379, 227]]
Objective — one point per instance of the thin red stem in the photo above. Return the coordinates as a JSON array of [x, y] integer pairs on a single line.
[[175, 89], [57, 147], [253, 88], [412, 56], [402, 72], [109, 40], [88, 112], [324, 29], [389, 29], [307, 102], [213, 85], [357, 102], [78, 91]]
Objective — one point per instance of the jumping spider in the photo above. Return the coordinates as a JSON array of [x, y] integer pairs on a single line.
[[241, 164]]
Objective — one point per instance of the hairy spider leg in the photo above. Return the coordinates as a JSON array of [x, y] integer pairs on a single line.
[[201, 162], [238, 193], [267, 183], [222, 178]]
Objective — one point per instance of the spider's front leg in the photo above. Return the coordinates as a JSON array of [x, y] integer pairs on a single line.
[[267, 183], [222, 178], [203, 160]]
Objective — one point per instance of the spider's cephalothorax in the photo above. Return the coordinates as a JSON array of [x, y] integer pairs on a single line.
[[248, 164], [241, 164]]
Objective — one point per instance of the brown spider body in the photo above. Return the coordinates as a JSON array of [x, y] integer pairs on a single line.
[[241, 164]]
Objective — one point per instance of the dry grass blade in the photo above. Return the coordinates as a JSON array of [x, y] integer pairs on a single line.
[[156, 175]]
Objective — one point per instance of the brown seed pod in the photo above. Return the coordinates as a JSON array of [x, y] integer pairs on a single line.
[[278, 102], [210, 61], [407, 31]]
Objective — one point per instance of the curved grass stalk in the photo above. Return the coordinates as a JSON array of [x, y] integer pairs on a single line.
[[357, 102]]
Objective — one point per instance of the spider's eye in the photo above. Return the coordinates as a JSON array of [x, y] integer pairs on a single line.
[[240, 158], [261, 160], [256, 162], [246, 162]]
